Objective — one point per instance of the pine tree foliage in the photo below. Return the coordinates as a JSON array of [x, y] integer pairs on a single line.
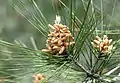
[[83, 62]]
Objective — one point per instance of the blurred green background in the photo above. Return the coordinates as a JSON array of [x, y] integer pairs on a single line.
[[14, 27]]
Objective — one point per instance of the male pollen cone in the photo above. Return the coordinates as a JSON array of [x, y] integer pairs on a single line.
[[39, 78], [104, 45], [59, 39]]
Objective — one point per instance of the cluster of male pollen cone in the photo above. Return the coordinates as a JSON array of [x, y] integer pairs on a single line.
[[59, 38], [39, 78], [104, 45]]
